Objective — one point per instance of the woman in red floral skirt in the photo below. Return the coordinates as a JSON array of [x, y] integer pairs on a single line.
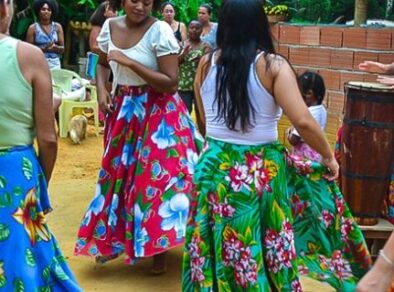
[[150, 144]]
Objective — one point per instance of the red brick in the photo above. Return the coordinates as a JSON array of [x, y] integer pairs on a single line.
[[386, 58], [299, 56], [342, 59], [361, 56], [310, 35], [355, 38], [331, 36], [336, 100], [283, 50], [331, 79], [319, 57], [289, 34], [369, 77], [275, 31], [348, 76], [379, 39]]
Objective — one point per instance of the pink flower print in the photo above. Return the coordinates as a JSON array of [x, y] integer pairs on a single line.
[[245, 269], [260, 174], [303, 270], [281, 248], [303, 166], [346, 228], [296, 286], [327, 218], [196, 265], [194, 249], [231, 250], [196, 260], [340, 266], [298, 207], [340, 204], [239, 176], [223, 210]]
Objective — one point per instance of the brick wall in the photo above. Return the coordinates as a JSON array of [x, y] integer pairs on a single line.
[[334, 52]]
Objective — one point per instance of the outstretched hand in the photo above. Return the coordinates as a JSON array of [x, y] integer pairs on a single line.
[[372, 67]]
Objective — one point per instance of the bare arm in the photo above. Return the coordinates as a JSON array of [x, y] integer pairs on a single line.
[[35, 70], [287, 95], [201, 74], [376, 67], [163, 80], [94, 47], [30, 34], [378, 279], [102, 75]]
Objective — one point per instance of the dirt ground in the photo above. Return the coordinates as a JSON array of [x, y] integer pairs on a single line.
[[71, 189]]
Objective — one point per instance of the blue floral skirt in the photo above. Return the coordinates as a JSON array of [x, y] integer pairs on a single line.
[[30, 258]]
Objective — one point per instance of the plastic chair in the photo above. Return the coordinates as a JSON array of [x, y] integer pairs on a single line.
[[62, 84]]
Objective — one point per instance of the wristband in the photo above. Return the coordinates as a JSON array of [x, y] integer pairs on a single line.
[[386, 258]]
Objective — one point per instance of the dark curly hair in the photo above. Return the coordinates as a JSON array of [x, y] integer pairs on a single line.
[[118, 3], [37, 5]]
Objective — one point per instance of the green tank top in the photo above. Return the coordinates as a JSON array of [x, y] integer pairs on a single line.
[[16, 99]]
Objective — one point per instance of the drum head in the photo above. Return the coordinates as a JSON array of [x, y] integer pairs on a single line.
[[369, 86]]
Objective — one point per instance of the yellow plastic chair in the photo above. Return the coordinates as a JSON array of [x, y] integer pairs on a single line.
[[62, 83]]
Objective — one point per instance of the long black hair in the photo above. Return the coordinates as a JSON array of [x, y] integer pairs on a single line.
[[98, 17], [243, 31]]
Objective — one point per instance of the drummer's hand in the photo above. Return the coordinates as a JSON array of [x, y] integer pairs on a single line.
[[372, 67], [386, 80], [332, 166]]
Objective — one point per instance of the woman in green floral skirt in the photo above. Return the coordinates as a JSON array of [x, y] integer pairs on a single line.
[[262, 218]]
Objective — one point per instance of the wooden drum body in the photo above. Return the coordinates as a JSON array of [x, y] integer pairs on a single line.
[[367, 148]]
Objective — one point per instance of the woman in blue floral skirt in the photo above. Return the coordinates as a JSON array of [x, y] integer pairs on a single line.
[[30, 258]]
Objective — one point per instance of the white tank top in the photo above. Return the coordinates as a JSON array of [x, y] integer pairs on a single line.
[[267, 112]]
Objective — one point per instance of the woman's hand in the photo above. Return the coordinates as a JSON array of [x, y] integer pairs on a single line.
[[119, 57], [332, 166], [105, 102]]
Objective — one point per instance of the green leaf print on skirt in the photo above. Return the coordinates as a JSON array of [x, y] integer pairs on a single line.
[[250, 228]]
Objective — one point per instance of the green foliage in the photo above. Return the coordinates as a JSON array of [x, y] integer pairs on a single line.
[[316, 11], [187, 10]]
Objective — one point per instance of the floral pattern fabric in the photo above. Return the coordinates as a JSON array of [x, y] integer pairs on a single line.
[[143, 191], [30, 258], [187, 69], [388, 204], [262, 218]]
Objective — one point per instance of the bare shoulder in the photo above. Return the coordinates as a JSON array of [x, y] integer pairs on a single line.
[[58, 26], [32, 27], [31, 59]]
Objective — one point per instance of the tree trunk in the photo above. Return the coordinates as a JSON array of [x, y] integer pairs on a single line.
[[360, 12], [389, 7]]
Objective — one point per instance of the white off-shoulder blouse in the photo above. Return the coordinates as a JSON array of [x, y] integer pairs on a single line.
[[157, 41]]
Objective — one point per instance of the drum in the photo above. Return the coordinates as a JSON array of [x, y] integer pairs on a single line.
[[367, 148]]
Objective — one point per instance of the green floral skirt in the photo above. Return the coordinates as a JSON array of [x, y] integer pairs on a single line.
[[262, 218]]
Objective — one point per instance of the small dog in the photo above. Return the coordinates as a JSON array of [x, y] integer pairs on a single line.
[[78, 124]]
